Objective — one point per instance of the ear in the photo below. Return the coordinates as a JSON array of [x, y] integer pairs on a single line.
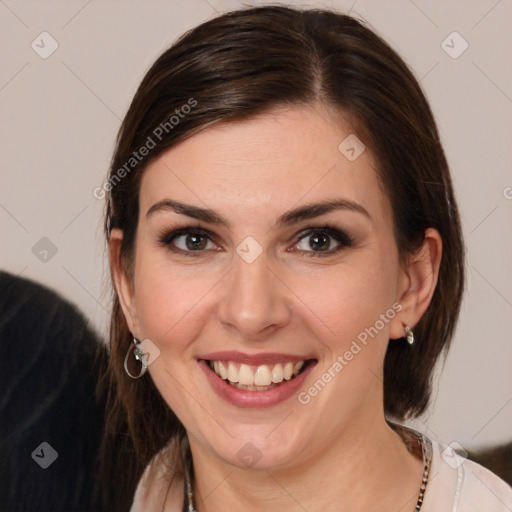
[[122, 282], [417, 283]]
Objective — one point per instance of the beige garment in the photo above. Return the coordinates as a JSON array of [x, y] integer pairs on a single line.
[[454, 485], [457, 485], [153, 489]]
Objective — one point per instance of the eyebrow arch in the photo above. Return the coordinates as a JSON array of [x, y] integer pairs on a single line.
[[204, 214], [303, 212], [311, 210]]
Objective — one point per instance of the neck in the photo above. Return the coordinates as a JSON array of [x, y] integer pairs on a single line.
[[366, 468]]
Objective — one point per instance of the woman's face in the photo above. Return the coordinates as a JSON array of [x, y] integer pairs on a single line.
[[261, 245]]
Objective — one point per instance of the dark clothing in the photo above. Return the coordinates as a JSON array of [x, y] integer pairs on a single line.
[[49, 368]]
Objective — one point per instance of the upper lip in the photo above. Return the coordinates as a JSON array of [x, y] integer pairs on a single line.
[[254, 359]]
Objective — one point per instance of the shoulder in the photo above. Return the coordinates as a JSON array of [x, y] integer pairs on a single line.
[[36, 319], [483, 490], [463, 485], [48, 375], [159, 485]]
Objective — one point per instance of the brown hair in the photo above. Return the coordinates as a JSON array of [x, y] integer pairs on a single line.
[[239, 65]]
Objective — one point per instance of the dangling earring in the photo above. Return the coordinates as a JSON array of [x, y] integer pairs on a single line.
[[409, 335], [139, 356]]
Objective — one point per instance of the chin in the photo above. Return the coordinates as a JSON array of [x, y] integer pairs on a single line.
[[254, 449]]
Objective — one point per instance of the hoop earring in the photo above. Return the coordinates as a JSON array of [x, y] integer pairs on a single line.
[[409, 335], [139, 356]]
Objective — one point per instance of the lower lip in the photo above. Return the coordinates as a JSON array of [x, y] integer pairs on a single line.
[[260, 399]]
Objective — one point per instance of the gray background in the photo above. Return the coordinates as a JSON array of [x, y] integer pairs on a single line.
[[60, 116]]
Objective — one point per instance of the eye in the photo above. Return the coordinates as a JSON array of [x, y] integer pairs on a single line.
[[327, 240], [192, 242], [188, 240], [317, 242]]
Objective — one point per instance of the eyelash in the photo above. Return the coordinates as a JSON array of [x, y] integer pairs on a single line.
[[168, 237], [344, 240]]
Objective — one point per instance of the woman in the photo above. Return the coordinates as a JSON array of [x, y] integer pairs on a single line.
[[288, 267]]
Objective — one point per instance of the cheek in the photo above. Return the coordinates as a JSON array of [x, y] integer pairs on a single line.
[[171, 304], [350, 303]]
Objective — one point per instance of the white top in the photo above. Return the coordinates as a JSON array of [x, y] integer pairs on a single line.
[[458, 485], [454, 485]]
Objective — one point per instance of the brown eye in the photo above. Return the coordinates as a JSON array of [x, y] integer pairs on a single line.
[[196, 242], [187, 241], [319, 242], [323, 241]]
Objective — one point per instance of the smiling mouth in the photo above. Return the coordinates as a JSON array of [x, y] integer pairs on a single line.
[[258, 378]]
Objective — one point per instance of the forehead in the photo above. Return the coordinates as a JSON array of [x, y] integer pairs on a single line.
[[266, 165]]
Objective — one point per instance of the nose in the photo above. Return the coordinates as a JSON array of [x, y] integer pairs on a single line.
[[255, 301]]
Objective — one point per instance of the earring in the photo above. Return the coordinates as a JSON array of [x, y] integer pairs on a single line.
[[409, 335], [139, 356]]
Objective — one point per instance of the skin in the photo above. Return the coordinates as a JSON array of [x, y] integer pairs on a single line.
[[325, 455]]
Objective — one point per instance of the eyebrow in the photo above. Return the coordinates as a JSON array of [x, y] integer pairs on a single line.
[[309, 211], [204, 214], [304, 212]]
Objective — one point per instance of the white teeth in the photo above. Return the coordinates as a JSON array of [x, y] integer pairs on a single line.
[[232, 373], [277, 373], [251, 388], [245, 375], [261, 378], [288, 371], [222, 371]]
